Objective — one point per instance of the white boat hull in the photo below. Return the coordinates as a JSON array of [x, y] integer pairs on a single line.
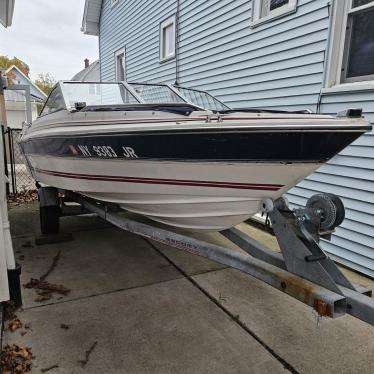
[[198, 195], [179, 165]]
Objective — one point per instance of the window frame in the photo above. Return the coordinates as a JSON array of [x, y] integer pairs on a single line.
[[163, 25], [338, 51], [118, 53], [282, 11]]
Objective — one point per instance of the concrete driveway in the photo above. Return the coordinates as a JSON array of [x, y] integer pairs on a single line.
[[140, 307]]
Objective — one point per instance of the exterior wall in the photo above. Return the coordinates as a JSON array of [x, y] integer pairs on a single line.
[[351, 176], [135, 25], [16, 113], [279, 64]]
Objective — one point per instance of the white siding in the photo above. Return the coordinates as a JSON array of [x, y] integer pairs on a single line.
[[275, 65]]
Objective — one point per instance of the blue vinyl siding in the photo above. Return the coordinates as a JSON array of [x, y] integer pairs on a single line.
[[279, 64], [351, 176]]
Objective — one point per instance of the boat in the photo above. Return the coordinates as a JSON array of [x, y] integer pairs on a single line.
[[175, 155]]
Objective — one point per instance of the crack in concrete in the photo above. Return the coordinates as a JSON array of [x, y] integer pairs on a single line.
[[234, 318], [57, 302]]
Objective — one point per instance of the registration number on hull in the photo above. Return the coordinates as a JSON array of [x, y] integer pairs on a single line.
[[103, 151]]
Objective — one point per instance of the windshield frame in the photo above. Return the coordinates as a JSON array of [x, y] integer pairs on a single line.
[[131, 90], [56, 86], [204, 92], [169, 86], [175, 89]]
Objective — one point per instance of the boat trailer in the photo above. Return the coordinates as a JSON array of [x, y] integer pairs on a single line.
[[301, 270]]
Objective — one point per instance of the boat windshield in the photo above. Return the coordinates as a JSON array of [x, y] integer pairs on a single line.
[[202, 99], [96, 94], [153, 93], [156, 93]]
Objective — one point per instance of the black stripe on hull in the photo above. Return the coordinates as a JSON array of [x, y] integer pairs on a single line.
[[240, 147]]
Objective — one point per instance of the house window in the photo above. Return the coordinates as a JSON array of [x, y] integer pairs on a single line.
[[120, 59], [167, 39], [267, 10], [359, 42], [350, 60]]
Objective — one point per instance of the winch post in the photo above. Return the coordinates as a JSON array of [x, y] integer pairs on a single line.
[[301, 251]]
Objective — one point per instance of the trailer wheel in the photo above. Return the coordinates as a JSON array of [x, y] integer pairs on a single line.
[[49, 219]]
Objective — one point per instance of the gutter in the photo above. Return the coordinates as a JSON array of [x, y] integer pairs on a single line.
[[177, 42], [9, 10]]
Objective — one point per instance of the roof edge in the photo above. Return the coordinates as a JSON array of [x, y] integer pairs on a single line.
[[90, 25], [28, 79], [86, 71], [9, 10]]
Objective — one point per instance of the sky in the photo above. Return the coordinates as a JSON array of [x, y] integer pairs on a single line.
[[46, 35]]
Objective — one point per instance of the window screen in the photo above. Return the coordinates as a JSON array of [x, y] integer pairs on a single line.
[[168, 44], [167, 38], [357, 3], [359, 47], [120, 66], [268, 6]]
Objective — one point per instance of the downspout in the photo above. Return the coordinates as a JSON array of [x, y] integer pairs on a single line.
[[330, 11], [177, 41], [99, 41]]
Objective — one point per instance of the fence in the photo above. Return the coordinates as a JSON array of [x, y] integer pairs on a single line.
[[20, 179]]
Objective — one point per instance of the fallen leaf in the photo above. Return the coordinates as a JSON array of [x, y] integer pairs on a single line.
[[16, 359], [14, 324], [23, 197], [23, 352], [45, 290]]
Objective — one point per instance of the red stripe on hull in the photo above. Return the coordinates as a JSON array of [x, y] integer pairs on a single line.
[[174, 182]]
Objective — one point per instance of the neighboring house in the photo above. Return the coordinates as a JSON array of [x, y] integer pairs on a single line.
[[90, 73], [15, 100], [284, 54]]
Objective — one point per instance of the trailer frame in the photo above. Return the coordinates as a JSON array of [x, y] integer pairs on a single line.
[[310, 277]]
